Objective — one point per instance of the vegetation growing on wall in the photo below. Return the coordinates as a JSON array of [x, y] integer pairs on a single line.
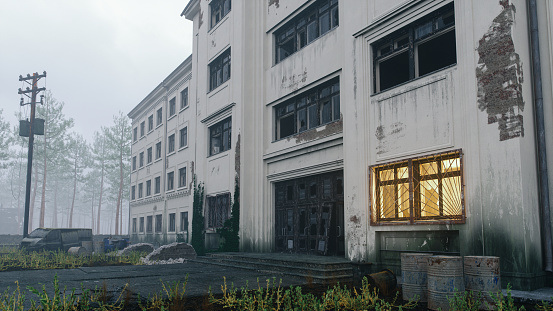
[[229, 231], [198, 237]]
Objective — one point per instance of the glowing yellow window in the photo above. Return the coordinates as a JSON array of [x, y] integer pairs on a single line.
[[418, 190]]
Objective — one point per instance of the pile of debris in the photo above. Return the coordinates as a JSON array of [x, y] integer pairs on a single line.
[[173, 253]]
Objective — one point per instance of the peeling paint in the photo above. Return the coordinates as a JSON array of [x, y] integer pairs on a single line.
[[500, 77], [354, 219], [275, 3], [293, 82], [213, 44], [319, 132], [387, 135]]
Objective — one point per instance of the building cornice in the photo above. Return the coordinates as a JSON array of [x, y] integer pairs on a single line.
[[191, 9]]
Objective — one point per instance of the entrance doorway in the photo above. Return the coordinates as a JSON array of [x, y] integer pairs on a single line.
[[310, 215]]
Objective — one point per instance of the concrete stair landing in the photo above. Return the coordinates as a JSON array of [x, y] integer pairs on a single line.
[[316, 269]]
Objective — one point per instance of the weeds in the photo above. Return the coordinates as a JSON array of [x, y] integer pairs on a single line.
[[18, 259], [274, 297], [170, 299]]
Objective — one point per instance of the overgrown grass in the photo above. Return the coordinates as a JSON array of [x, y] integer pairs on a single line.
[[274, 297], [469, 301], [20, 259]]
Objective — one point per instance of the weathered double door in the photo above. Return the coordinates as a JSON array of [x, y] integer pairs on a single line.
[[310, 215]]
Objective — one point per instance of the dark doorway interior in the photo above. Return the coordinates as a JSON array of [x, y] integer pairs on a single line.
[[310, 215]]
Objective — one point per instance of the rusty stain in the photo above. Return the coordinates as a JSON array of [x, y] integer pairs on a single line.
[[237, 160], [387, 134], [354, 219], [312, 134], [192, 174], [499, 74], [213, 44], [274, 2]]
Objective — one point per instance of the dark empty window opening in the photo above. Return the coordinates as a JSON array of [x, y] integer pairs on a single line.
[[310, 24], [421, 48], [313, 108], [218, 210]]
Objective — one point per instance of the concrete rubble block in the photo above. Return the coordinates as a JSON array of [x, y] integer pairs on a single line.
[[172, 251], [139, 247]]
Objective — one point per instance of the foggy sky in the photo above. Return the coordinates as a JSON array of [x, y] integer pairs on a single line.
[[101, 56]]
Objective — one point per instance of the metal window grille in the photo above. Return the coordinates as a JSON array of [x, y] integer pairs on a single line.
[[418, 190]]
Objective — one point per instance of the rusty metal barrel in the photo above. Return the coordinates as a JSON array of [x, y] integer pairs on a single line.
[[77, 251], [445, 276], [414, 275], [482, 277]]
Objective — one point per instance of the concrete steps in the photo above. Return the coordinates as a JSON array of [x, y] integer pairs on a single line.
[[315, 269]]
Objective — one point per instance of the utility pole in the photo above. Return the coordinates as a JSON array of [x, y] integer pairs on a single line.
[[34, 90]]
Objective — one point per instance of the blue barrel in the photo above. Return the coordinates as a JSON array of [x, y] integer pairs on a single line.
[[445, 276], [482, 276], [414, 276]]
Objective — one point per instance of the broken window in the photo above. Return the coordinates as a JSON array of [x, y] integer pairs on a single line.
[[140, 190], [182, 177], [142, 128], [171, 222], [172, 106], [184, 221], [219, 70], [134, 225], [171, 143], [149, 225], [159, 220], [170, 181], [141, 159], [418, 49], [134, 163], [220, 137], [307, 26], [135, 134], [133, 192], [219, 9], [148, 188], [308, 110], [218, 208], [418, 190], [184, 98], [141, 224]]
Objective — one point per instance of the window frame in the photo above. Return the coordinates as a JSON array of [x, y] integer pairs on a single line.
[[171, 143], [306, 105], [142, 129], [158, 150], [148, 187], [296, 33], [157, 185], [218, 11], [135, 134], [218, 130], [141, 225], [216, 218], [216, 69], [149, 223], [184, 222], [149, 155], [184, 98], [159, 223], [182, 177], [171, 181], [414, 180], [172, 106], [159, 116], [183, 139], [140, 190], [141, 159], [134, 163], [405, 40], [172, 223], [133, 192], [134, 223], [151, 123]]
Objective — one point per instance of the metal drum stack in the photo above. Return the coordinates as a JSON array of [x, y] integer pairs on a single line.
[[445, 276], [413, 271], [482, 277]]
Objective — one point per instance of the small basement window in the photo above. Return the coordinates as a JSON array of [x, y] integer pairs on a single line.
[[418, 49], [418, 190]]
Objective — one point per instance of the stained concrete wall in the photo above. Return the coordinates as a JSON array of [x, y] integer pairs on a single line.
[[464, 110]]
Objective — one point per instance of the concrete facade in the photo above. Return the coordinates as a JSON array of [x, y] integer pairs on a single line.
[[310, 179]]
